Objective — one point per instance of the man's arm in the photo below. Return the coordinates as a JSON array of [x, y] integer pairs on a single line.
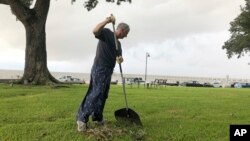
[[101, 25]]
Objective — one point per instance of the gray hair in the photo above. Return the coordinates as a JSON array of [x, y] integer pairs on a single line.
[[123, 26]]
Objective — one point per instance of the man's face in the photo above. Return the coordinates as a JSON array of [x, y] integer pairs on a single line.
[[123, 33]]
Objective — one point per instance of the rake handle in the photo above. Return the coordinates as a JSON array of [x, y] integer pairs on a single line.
[[120, 66]]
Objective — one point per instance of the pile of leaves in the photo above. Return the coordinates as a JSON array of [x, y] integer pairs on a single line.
[[110, 131]]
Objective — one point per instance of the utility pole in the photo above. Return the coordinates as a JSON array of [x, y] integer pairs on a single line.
[[147, 55]]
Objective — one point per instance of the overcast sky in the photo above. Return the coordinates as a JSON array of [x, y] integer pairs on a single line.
[[183, 37]]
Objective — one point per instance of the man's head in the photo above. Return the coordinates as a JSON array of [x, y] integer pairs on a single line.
[[122, 30]]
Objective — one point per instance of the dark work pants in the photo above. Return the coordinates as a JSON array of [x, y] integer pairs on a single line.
[[94, 101]]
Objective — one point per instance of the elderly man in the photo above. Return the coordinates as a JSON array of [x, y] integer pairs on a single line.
[[101, 72]]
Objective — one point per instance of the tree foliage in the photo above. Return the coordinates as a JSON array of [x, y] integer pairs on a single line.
[[239, 42], [91, 4]]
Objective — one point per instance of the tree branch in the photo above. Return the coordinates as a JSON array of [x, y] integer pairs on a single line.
[[20, 10], [42, 8], [4, 2]]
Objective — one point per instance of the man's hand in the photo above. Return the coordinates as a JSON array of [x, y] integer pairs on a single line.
[[119, 59], [111, 19], [100, 26]]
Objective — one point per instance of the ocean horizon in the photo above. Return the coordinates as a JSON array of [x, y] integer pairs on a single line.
[[17, 74]]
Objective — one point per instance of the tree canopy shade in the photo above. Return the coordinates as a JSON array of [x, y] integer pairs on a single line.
[[239, 42], [34, 21]]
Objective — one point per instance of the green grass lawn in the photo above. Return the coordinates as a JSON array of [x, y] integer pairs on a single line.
[[167, 113]]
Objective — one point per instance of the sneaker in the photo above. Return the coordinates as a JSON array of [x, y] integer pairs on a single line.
[[99, 123], [81, 126]]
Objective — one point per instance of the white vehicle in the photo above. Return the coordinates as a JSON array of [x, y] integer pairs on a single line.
[[65, 78], [68, 78], [77, 80], [129, 80], [217, 84], [242, 85]]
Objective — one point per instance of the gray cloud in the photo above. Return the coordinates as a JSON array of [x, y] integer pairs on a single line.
[[178, 34]]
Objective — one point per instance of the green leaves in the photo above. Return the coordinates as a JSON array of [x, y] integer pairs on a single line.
[[239, 42], [91, 4]]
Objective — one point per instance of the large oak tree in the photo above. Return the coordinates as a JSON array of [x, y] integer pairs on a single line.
[[239, 42], [34, 21]]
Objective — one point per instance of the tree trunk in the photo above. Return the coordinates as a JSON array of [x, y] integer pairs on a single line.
[[36, 70], [34, 21]]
